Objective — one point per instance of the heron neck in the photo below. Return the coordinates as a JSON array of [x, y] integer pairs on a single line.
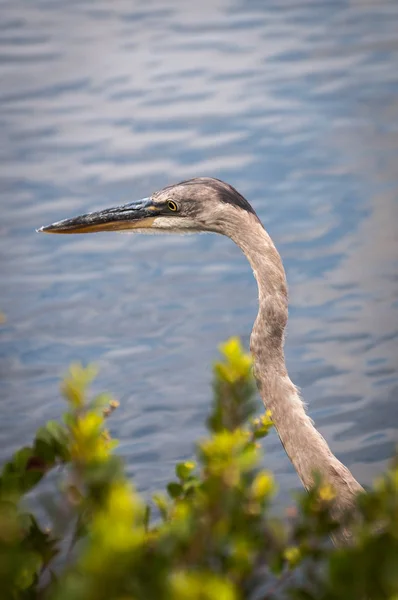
[[305, 446]]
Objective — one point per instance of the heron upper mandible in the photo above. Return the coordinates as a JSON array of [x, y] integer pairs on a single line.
[[207, 204]]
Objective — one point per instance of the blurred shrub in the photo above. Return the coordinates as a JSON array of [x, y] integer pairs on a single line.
[[213, 536]]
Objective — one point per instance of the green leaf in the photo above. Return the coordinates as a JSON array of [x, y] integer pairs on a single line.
[[57, 431], [184, 470], [29, 570], [147, 517], [162, 505], [101, 401], [21, 458], [174, 489]]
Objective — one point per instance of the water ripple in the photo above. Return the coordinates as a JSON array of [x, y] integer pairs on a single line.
[[295, 104]]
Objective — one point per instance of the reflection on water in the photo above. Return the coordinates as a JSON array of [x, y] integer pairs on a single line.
[[295, 105]]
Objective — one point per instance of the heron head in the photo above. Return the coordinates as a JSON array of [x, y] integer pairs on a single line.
[[201, 204]]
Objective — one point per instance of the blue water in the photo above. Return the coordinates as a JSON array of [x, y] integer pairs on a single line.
[[294, 103]]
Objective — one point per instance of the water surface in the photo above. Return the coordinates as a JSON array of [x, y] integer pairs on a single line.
[[295, 104]]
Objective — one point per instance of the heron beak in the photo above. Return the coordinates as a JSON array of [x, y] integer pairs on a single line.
[[140, 214]]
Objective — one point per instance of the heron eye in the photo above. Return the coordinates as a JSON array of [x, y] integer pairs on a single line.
[[171, 205]]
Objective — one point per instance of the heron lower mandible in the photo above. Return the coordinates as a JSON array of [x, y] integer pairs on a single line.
[[207, 204]]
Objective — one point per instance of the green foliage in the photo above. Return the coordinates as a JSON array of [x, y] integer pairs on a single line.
[[213, 536]]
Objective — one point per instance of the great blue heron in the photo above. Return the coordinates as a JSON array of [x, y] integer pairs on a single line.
[[207, 204]]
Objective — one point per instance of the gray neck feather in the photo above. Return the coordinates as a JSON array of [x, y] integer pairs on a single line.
[[304, 445]]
